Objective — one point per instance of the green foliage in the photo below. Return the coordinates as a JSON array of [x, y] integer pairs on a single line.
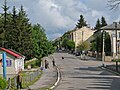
[[101, 23], [33, 64], [96, 44], [18, 34], [81, 22], [98, 24], [83, 46], [68, 44], [2, 83]]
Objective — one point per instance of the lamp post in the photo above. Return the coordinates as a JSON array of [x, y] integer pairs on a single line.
[[103, 49], [116, 57]]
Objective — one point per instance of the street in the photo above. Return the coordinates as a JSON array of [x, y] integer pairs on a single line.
[[79, 74]]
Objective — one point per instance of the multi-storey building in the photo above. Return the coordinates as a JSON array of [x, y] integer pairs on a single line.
[[81, 35]]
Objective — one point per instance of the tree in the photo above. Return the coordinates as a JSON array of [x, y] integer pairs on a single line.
[[68, 44], [23, 33], [81, 22], [113, 4], [96, 44], [21, 36], [107, 44], [4, 26], [83, 46], [71, 45], [103, 22], [98, 25]]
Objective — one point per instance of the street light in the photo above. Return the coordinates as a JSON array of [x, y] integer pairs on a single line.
[[116, 57], [103, 49]]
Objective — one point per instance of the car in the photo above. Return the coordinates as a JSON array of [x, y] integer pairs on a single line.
[[77, 54]]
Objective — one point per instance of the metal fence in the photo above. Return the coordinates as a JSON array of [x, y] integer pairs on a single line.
[[27, 78]]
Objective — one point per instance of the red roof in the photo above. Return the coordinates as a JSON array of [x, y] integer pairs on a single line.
[[11, 52]]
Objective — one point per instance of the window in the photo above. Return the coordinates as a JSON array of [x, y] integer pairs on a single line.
[[119, 35]]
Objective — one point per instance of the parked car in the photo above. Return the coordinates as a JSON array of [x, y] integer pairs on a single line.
[[77, 54]]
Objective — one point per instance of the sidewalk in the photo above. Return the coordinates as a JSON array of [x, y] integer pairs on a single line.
[[47, 79], [111, 66]]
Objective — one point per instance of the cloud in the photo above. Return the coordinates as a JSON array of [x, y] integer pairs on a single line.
[[54, 36], [59, 16]]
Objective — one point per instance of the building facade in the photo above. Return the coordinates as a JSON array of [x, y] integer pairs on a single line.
[[14, 61], [81, 35], [114, 32]]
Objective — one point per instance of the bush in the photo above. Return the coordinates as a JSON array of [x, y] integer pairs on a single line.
[[2, 83]]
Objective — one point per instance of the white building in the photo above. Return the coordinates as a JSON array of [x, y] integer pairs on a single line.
[[15, 62], [113, 29]]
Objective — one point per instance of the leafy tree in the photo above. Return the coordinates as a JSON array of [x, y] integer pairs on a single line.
[[71, 45], [64, 43], [68, 44], [83, 46], [41, 46], [81, 22], [21, 36]]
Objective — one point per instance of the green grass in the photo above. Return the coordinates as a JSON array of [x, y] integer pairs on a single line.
[[116, 60]]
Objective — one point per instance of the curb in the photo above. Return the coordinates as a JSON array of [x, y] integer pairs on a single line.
[[58, 79], [110, 70]]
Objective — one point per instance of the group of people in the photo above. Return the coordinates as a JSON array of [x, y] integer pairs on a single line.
[[47, 63]]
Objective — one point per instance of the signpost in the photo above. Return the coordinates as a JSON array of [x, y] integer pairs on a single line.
[[4, 64]]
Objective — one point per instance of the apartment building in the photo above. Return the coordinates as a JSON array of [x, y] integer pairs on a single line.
[[81, 35]]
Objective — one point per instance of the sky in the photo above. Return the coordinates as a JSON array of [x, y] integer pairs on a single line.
[[60, 16]]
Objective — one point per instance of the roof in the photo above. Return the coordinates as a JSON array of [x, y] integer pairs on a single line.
[[11, 53], [111, 27]]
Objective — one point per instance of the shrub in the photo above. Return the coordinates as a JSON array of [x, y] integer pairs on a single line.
[[2, 83]]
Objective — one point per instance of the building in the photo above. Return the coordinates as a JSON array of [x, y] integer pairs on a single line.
[[113, 29], [81, 35], [15, 62]]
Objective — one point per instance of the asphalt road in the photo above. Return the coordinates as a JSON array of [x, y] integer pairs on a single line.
[[79, 74]]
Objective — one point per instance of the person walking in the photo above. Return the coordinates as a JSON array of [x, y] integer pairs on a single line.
[[46, 64], [19, 81], [53, 61]]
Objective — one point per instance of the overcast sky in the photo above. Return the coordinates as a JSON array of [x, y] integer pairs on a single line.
[[59, 16]]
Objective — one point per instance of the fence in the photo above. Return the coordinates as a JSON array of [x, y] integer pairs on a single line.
[[27, 79]]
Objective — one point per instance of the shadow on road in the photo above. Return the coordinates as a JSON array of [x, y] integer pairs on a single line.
[[101, 81]]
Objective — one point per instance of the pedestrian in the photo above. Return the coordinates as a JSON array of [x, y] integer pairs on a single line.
[[19, 81], [46, 64], [62, 57], [53, 61]]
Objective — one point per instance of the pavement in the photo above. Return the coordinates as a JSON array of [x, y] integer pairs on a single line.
[[49, 78]]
